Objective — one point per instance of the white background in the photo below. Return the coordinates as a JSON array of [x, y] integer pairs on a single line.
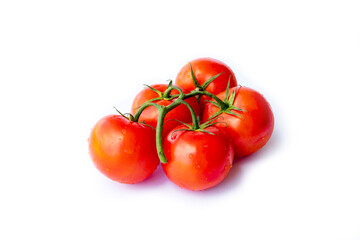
[[65, 64]]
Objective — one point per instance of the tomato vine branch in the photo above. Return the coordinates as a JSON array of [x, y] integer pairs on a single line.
[[224, 106]]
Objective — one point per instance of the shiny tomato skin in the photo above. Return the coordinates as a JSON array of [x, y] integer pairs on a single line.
[[204, 69], [150, 114], [252, 132], [197, 160], [122, 150]]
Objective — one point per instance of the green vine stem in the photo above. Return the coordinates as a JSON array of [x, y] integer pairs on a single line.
[[166, 94], [163, 110], [193, 115], [159, 130], [142, 108], [218, 100]]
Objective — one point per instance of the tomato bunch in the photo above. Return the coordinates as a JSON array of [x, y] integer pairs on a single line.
[[195, 128]]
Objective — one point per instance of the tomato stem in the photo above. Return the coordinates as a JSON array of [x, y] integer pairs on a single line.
[[163, 110], [198, 92], [142, 108], [159, 129], [193, 114], [222, 104], [166, 94]]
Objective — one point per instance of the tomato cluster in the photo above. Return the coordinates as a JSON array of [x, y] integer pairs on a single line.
[[195, 128]]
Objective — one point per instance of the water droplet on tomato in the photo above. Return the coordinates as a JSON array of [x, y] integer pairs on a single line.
[[190, 155]]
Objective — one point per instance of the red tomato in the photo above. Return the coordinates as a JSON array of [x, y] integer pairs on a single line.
[[204, 69], [150, 114], [197, 160], [251, 132], [122, 150]]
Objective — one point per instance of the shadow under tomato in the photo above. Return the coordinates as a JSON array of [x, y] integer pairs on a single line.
[[234, 178], [156, 179]]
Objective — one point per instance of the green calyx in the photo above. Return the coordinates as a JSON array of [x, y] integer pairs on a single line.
[[128, 116], [164, 95], [228, 106], [192, 127], [212, 122], [198, 87], [199, 127], [131, 118]]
